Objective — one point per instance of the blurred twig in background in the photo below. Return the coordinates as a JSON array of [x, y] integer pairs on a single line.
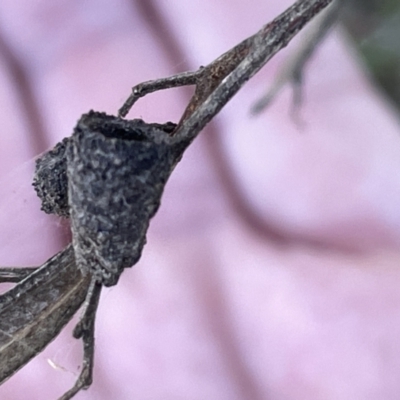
[[373, 27]]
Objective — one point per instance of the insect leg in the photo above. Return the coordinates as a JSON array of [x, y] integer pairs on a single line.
[[144, 88], [85, 330]]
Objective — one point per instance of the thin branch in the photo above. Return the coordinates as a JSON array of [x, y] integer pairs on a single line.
[[218, 82], [293, 70]]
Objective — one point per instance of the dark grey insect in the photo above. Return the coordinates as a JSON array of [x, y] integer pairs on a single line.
[[112, 173]]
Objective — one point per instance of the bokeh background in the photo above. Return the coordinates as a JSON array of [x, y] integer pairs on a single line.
[[272, 267]]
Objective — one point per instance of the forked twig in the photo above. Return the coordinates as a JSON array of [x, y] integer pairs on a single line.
[[219, 81], [293, 70]]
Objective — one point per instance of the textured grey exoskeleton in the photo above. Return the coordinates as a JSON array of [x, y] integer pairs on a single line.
[[115, 171], [50, 180]]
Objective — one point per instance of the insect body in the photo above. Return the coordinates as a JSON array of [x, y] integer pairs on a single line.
[[112, 175]]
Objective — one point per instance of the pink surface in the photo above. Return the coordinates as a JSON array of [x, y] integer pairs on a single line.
[[216, 309]]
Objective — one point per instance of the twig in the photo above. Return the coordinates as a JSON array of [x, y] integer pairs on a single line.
[[293, 70]]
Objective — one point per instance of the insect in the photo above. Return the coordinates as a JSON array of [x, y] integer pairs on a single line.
[[110, 175]]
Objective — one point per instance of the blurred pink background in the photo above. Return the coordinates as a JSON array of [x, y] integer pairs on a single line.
[[272, 267]]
